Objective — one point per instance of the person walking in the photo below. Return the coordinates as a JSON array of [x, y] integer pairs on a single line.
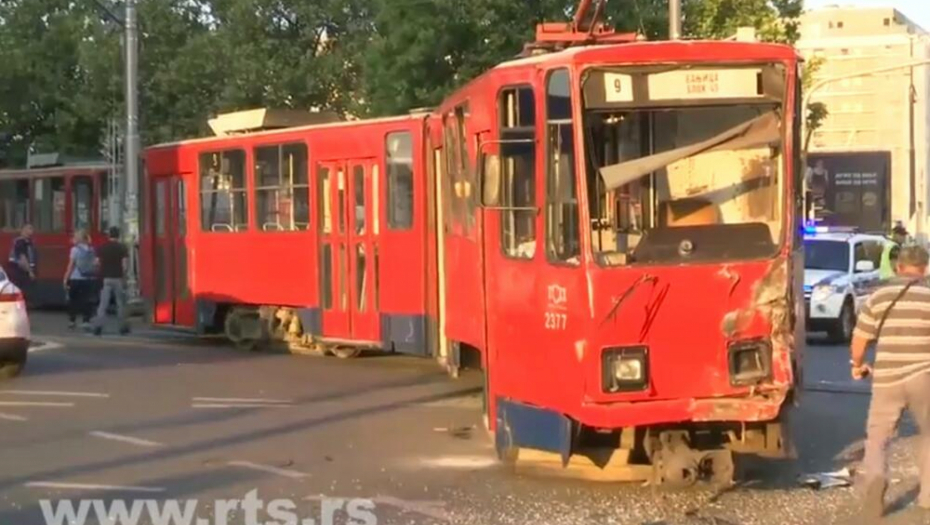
[[897, 316], [23, 262], [79, 279], [113, 257]]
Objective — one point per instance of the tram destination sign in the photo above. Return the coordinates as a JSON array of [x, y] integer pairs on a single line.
[[705, 83], [619, 88]]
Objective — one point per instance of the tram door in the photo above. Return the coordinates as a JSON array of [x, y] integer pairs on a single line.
[[173, 302], [348, 224]]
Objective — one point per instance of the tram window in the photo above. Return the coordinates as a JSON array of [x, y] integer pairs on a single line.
[[341, 200], [518, 166], [161, 207], [456, 189], [375, 209], [7, 204], [222, 191], [469, 202], [103, 205], [182, 206], [562, 242], [326, 276], [282, 192], [49, 204], [361, 278], [82, 200], [399, 180], [343, 285], [14, 204], [324, 202], [358, 176]]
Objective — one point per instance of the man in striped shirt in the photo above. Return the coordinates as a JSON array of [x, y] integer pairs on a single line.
[[897, 315]]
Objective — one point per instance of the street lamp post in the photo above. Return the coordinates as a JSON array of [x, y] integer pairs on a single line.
[[130, 188]]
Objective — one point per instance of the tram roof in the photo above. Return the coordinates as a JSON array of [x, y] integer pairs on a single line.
[[281, 131], [660, 51], [65, 169]]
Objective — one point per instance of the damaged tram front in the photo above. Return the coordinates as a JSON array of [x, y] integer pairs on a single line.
[[671, 272]]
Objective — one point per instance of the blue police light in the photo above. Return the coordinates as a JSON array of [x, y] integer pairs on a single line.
[[811, 228]]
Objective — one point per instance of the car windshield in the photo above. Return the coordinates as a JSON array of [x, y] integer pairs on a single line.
[[826, 255]]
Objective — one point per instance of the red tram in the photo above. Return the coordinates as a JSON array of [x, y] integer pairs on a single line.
[[612, 227], [56, 200]]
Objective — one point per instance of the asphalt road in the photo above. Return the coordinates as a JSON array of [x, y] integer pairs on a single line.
[[141, 418]]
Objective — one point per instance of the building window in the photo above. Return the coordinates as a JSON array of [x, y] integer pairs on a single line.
[[14, 204], [82, 195], [282, 190], [399, 159], [49, 204], [517, 110], [222, 191], [562, 237]]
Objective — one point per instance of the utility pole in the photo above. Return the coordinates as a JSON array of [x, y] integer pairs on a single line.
[[130, 187], [674, 19]]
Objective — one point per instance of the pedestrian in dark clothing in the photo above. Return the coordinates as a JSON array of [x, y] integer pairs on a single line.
[[79, 279], [897, 316], [113, 257], [23, 262]]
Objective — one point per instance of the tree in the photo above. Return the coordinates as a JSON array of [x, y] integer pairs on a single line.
[[423, 49], [52, 96], [61, 79]]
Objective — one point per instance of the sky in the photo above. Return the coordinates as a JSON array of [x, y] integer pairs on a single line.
[[916, 10]]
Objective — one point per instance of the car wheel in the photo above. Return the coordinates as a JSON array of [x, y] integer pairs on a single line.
[[845, 323]]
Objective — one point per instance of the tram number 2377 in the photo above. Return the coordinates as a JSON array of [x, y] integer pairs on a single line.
[[556, 321]]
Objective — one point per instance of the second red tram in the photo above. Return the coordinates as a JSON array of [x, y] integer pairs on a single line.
[[613, 229], [56, 200]]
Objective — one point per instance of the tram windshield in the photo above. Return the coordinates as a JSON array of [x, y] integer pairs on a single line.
[[684, 165]]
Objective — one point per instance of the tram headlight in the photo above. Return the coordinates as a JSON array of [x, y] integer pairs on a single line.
[[625, 369], [750, 362]]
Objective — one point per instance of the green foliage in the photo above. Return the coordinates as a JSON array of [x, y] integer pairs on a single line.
[[775, 20], [816, 111], [61, 76]]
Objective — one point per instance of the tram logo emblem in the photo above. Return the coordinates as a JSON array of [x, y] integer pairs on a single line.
[[558, 296]]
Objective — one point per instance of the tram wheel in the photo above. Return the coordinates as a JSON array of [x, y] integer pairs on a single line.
[[345, 352], [242, 328], [677, 470]]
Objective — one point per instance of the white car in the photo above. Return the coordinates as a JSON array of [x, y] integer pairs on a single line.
[[840, 270], [14, 329]]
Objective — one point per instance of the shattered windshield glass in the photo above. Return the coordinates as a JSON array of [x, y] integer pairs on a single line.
[[684, 182]]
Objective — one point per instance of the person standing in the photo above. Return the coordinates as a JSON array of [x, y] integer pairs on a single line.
[[79, 279], [897, 316], [113, 257], [890, 254], [23, 262]]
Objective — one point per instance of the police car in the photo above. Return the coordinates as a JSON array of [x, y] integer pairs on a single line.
[[840, 270]]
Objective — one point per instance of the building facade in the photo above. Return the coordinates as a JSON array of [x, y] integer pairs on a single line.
[[867, 163]]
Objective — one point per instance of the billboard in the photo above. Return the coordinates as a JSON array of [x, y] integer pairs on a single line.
[[851, 189]]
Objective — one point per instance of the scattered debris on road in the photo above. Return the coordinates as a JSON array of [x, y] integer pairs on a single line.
[[827, 480]]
